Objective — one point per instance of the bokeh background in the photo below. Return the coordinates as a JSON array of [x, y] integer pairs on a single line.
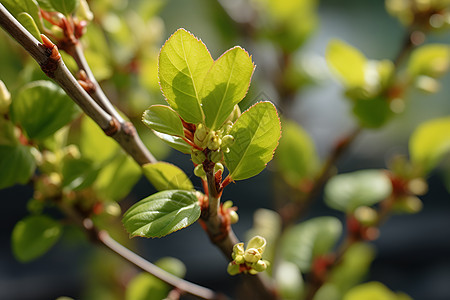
[[413, 251]]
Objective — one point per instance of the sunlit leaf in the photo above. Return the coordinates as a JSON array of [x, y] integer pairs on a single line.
[[41, 108], [30, 7], [431, 60], [183, 63], [346, 192], [17, 165], [34, 236], [256, 134], [374, 290], [165, 176], [163, 119], [226, 85], [162, 213], [429, 143], [347, 62], [94, 144], [296, 156], [78, 173], [175, 142], [28, 22], [304, 242], [64, 6]]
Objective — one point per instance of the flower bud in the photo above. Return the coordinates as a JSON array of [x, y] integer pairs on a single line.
[[199, 171], [83, 12], [227, 140], [233, 269], [238, 249], [366, 215], [216, 156], [227, 204], [239, 259], [252, 255], [5, 98], [200, 135], [112, 208], [197, 156], [234, 217], [214, 142], [227, 127], [218, 167], [257, 242], [260, 265]]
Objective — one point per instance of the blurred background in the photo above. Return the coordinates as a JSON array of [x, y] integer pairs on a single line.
[[413, 251]]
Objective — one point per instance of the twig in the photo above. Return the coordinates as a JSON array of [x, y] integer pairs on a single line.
[[49, 60]]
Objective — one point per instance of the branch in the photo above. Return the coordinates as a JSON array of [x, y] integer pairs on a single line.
[[47, 56]]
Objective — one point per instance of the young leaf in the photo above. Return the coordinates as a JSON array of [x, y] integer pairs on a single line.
[[226, 85], [163, 119], [296, 154], [346, 192], [429, 143], [118, 177], [431, 60], [372, 113], [348, 62], [165, 176], [64, 6], [28, 22], [175, 142], [162, 213], [41, 108], [303, 242], [374, 290], [34, 236], [78, 173], [17, 165], [30, 7], [94, 144], [183, 63], [256, 134]]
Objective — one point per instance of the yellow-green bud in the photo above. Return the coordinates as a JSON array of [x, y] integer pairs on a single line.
[[366, 215], [239, 259], [112, 209], [199, 171], [214, 142], [234, 217], [218, 167], [216, 156], [227, 204], [200, 135], [227, 127], [233, 269], [83, 12], [257, 242], [238, 249], [197, 157], [5, 98], [227, 140], [260, 265], [252, 255]]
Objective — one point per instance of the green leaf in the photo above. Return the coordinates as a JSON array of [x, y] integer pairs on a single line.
[[165, 176], [41, 108], [162, 213], [7, 134], [347, 62], [34, 236], [256, 134], [147, 287], [226, 85], [289, 281], [30, 7], [163, 119], [304, 242], [94, 144], [118, 177], [296, 154], [17, 165], [429, 143], [183, 63], [28, 22], [175, 142], [374, 290], [78, 174], [346, 192], [64, 6], [372, 113], [431, 60]]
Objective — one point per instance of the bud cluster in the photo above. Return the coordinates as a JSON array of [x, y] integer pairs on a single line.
[[248, 260]]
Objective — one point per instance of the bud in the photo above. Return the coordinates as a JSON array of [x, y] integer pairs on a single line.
[[227, 140], [218, 167], [257, 242], [214, 142], [216, 156], [238, 249], [84, 12], [412, 204], [260, 265], [418, 186], [197, 156], [233, 268], [5, 99], [365, 215], [427, 84], [234, 217], [112, 208], [199, 171], [72, 151], [227, 204], [200, 135], [227, 127], [252, 255], [239, 259]]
